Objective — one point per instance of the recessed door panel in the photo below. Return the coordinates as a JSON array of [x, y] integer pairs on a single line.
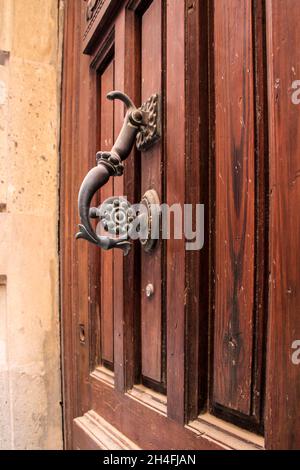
[[107, 262], [152, 173]]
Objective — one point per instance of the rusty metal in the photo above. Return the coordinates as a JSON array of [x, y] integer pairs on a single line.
[[151, 131], [138, 123], [152, 203]]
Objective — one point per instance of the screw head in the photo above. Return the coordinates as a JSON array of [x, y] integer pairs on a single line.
[[149, 291]]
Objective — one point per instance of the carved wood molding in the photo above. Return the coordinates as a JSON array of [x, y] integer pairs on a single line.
[[92, 10], [99, 15], [94, 433]]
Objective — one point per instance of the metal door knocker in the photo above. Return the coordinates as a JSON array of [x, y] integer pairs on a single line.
[[141, 125]]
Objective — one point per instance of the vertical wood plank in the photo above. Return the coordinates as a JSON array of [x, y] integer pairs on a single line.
[[119, 329], [68, 323], [283, 377], [132, 263], [193, 46], [197, 191], [175, 155], [106, 143], [262, 213], [84, 147], [74, 288], [126, 270], [235, 205], [151, 175], [94, 260]]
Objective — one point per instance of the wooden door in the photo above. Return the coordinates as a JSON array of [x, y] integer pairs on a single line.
[[205, 362]]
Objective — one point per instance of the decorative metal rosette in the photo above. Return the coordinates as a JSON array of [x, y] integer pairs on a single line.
[[116, 216], [150, 133]]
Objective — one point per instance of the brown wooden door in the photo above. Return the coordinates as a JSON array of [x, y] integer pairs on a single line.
[[204, 363]]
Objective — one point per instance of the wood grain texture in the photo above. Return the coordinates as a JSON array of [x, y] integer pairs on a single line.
[[175, 154], [85, 146], [283, 377], [132, 304], [143, 425], [127, 274], [103, 56], [262, 214], [151, 178], [235, 205], [106, 143], [239, 168], [69, 328], [119, 273], [197, 191]]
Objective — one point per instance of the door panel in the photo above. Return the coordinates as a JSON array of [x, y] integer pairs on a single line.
[[175, 151], [283, 387], [241, 220], [152, 177], [107, 273], [170, 371], [235, 202]]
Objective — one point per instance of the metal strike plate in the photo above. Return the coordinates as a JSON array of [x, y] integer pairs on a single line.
[[150, 132], [152, 203]]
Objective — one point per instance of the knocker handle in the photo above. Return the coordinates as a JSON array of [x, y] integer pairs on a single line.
[[139, 124]]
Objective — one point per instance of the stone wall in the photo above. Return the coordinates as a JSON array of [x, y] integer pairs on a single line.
[[30, 74]]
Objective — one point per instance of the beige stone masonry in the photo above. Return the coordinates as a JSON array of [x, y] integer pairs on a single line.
[[30, 76]]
